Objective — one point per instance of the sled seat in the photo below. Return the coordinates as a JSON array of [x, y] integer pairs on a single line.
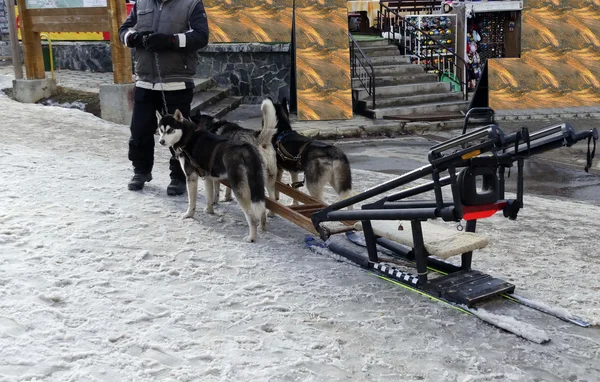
[[439, 241]]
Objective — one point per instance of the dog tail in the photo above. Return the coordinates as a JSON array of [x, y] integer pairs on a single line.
[[248, 181], [342, 176], [265, 137], [269, 115]]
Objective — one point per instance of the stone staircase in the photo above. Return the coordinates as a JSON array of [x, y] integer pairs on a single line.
[[404, 90], [213, 100]]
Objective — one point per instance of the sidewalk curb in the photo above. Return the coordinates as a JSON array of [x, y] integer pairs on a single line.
[[380, 130]]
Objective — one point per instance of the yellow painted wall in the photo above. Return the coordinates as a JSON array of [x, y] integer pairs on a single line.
[[560, 59]]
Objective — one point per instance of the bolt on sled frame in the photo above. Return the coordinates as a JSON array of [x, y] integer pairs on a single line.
[[477, 158]]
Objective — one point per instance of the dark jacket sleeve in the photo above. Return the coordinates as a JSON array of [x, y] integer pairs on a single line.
[[127, 27], [197, 37]]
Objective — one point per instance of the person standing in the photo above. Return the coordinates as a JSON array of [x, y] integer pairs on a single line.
[[165, 36]]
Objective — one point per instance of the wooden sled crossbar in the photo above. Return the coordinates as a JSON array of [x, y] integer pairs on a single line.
[[439, 241], [300, 214]]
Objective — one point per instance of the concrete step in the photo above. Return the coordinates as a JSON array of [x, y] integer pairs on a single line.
[[390, 60], [418, 99], [409, 78], [419, 109], [398, 70], [383, 50], [404, 90], [201, 84], [206, 98], [366, 44], [222, 107]]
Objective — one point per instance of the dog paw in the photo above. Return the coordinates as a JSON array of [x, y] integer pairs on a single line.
[[228, 199], [209, 210], [249, 239], [187, 215], [271, 214]]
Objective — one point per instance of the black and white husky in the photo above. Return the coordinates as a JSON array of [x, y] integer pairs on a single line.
[[320, 162], [260, 139], [213, 157]]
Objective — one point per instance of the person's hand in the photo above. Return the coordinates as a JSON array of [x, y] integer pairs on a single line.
[[160, 41], [136, 39]]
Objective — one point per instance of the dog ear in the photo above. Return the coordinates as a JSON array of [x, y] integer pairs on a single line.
[[178, 116], [285, 106], [158, 117]]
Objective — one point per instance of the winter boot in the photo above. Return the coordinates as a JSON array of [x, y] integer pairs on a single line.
[[176, 187], [137, 182]]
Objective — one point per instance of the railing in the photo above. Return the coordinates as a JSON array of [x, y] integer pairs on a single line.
[[407, 38], [362, 68]]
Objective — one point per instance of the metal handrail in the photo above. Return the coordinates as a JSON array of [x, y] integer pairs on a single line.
[[358, 57], [384, 14]]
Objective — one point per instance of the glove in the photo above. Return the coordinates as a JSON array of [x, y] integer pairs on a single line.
[[136, 39], [160, 41]]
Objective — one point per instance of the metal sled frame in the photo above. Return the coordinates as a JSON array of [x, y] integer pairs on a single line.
[[486, 153]]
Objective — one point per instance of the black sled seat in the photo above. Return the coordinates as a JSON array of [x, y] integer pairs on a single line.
[[473, 166]]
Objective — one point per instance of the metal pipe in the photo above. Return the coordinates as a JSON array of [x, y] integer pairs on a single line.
[[417, 190], [14, 39], [415, 204], [404, 214], [387, 186]]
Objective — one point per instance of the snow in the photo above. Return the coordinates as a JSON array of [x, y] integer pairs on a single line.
[[98, 283]]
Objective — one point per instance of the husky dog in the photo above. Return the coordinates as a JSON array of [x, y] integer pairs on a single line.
[[215, 158], [321, 163], [261, 140]]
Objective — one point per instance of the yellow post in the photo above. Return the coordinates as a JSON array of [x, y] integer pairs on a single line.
[[50, 53]]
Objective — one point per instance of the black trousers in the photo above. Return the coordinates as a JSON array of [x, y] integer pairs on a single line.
[[144, 124]]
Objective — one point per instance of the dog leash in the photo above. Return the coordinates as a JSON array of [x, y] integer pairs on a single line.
[[162, 90]]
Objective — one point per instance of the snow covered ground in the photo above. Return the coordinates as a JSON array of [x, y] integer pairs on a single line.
[[98, 283]]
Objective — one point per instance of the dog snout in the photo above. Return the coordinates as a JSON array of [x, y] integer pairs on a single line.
[[162, 142]]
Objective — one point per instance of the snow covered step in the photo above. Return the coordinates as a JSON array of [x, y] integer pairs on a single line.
[[393, 80], [406, 90], [417, 99], [201, 84], [222, 107], [391, 70], [371, 43], [439, 241], [205, 98], [390, 60], [427, 108], [382, 50]]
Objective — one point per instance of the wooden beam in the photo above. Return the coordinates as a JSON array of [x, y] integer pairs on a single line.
[[62, 12], [291, 215], [70, 24], [32, 45], [121, 58], [294, 193]]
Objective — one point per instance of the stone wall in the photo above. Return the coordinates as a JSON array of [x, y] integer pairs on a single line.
[[4, 37], [251, 70], [84, 56]]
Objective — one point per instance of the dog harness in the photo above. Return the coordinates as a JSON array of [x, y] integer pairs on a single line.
[[201, 172], [286, 156]]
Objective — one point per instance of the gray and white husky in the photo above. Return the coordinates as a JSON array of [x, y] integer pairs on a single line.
[[260, 139], [320, 162], [215, 158]]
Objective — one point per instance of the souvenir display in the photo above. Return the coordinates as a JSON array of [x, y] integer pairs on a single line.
[[485, 39], [434, 40]]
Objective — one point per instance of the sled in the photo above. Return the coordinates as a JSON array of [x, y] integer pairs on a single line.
[[472, 168]]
